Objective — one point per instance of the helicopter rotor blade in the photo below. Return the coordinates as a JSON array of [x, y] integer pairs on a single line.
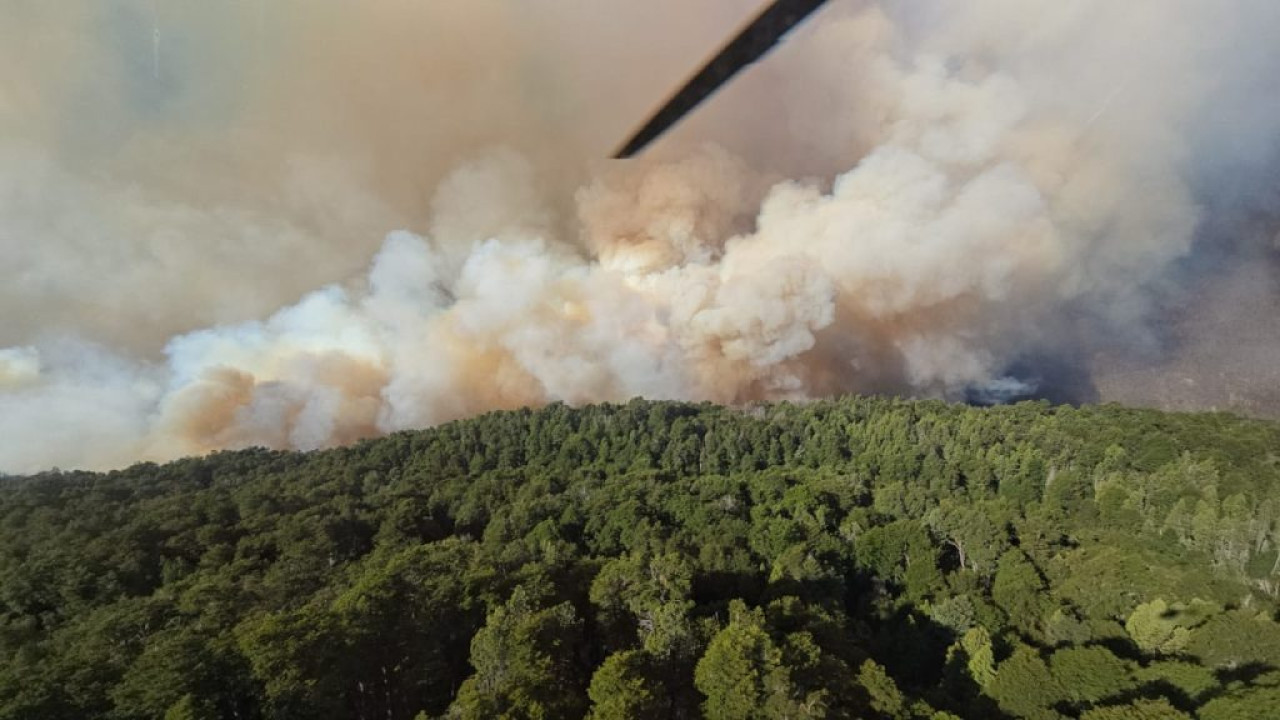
[[755, 40]]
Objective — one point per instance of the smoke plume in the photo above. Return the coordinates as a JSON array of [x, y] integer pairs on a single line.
[[297, 224]]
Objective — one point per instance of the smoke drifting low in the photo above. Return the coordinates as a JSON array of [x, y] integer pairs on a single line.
[[918, 197]]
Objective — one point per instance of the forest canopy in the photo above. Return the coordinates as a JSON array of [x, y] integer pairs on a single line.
[[853, 558]]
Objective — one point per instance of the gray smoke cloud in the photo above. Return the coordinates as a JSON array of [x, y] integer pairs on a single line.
[[296, 224]]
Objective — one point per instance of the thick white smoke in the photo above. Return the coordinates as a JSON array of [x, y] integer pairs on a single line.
[[906, 198]]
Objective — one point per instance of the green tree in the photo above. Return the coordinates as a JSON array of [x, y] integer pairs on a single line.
[[1163, 629], [1235, 638], [1187, 679], [977, 532], [1090, 674], [743, 676], [1248, 703], [980, 658], [625, 687], [1020, 591], [189, 708], [886, 698], [182, 668], [651, 595], [1159, 709], [524, 659], [1024, 686], [299, 657], [407, 621]]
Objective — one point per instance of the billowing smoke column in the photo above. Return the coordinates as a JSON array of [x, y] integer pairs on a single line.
[[914, 197]]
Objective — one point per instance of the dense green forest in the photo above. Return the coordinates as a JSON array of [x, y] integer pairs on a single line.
[[855, 558]]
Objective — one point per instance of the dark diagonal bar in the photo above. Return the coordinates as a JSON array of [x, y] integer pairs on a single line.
[[749, 46]]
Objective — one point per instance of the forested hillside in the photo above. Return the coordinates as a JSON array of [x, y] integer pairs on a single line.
[[859, 558]]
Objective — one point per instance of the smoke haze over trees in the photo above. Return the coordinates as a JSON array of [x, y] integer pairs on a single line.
[[295, 224]]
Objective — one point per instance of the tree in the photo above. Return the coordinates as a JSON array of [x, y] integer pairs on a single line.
[[1090, 674], [1020, 591], [1024, 686], [901, 553], [1248, 703], [885, 540], [977, 532], [299, 657], [524, 660], [1235, 638], [1162, 629], [979, 656], [651, 595], [743, 675], [625, 687], [407, 621], [1159, 709], [886, 698], [189, 708], [1187, 679], [182, 669]]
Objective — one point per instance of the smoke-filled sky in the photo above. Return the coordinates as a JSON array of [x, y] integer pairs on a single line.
[[295, 223]]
